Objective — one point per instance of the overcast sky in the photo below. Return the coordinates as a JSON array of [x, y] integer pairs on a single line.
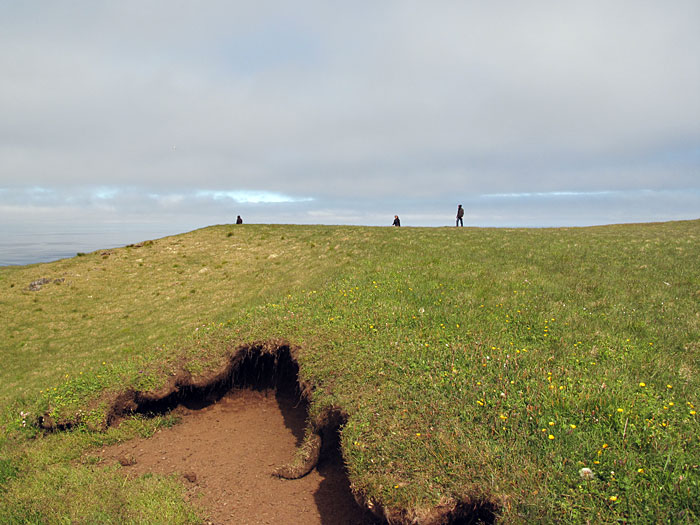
[[180, 112]]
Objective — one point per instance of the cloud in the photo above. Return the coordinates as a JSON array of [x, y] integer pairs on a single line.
[[550, 194], [319, 105], [250, 197]]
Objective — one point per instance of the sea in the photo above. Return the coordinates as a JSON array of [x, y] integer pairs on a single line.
[[30, 245]]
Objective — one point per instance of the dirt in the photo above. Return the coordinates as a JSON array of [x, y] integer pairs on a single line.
[[226, 452]]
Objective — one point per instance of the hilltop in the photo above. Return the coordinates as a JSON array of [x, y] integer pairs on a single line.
[[509, 374]]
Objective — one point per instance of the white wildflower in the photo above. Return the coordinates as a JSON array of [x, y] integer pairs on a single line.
[[586, 473]]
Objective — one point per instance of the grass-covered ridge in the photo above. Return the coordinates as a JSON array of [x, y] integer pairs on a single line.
[[485, 365]]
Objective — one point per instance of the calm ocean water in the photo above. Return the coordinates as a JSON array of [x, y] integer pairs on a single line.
[[24, 245]]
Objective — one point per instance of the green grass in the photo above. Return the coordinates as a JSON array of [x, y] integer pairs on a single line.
[[481, 364]]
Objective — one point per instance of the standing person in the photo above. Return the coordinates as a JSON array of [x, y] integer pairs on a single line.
[[460, 214], [239, 220], [397, 222]]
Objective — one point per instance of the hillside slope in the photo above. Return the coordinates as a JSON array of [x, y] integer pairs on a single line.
[[546, 374]]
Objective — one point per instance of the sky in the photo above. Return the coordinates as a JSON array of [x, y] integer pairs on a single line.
[[183, 114]]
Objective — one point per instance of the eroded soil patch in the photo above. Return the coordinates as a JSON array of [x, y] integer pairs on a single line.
[[240, 429], [226, 453]]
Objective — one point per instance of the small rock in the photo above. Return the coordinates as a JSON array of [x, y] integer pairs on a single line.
[[190, 476], [35, 286], [126, 461]]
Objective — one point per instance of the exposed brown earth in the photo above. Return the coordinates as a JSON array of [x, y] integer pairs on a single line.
[[240, 429], [226, 453]]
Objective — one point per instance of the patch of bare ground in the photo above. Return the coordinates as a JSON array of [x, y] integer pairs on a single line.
[[239, 429], [227, 453]]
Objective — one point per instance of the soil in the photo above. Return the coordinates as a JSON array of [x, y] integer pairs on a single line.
[[226, 453]]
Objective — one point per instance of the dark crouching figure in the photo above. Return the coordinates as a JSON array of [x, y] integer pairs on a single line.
[[460, 214], [397, 222], [239, 220]]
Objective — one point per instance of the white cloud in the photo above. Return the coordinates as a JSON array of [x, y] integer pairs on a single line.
[[250, 197], [549, 194]]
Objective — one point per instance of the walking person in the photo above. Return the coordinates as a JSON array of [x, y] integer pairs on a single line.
[[460, 214], [239, 220], [397, 222]]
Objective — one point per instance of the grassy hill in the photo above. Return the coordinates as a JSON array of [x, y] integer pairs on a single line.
[[484, 368]]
